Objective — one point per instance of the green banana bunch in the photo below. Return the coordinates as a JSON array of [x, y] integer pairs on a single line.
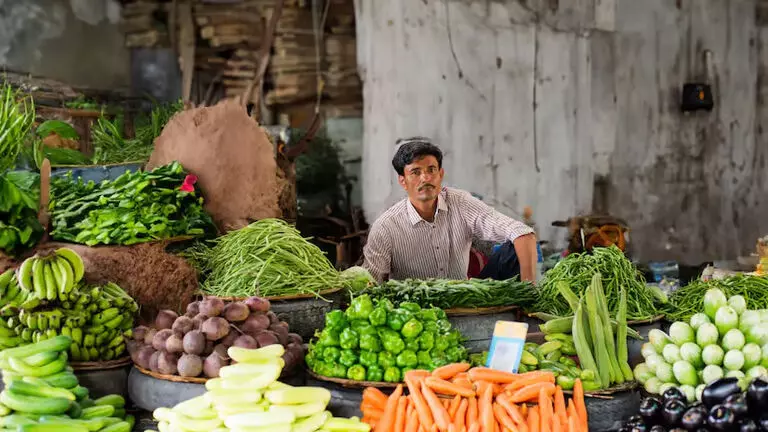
[[52, 277], [15, 295], [96, 318]]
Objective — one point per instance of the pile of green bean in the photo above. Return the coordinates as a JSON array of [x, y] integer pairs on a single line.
[[689, 299], [616, 270], [447, 294], [267, 258]]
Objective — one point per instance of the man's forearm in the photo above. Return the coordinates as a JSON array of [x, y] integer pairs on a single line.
[[525, 248]]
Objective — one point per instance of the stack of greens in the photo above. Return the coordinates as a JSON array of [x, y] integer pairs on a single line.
[[134, 208], [576, 270], [19, 191], [19, 198], [111, 146], [266, 258], [378, 342], [17, 113], [689, 300], [447, 294]]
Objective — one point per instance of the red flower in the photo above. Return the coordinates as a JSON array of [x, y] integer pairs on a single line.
[[189, 183]]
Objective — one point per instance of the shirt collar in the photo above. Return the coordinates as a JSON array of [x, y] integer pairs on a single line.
[[415, 217]]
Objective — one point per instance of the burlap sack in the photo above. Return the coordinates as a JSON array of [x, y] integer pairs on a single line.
[[232, 158]]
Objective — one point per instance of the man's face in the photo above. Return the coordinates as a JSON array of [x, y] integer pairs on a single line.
[[422, 179]]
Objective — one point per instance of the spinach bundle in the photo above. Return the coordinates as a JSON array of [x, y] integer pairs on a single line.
[[447, 294], [134, 208], [19, 200]]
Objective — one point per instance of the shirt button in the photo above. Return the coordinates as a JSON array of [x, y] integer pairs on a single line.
[[437, 247]]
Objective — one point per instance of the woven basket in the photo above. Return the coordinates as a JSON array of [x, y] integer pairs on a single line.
[[101, 365], [347, 383]]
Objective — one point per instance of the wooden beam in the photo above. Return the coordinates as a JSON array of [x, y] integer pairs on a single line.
[[266, 45]]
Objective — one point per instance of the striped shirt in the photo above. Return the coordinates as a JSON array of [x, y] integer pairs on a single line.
[[403, 245]]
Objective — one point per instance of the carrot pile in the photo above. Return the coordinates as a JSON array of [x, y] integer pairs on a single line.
[[455, 398]]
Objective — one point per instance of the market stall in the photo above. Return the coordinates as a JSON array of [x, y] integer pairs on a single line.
[[218, 316]]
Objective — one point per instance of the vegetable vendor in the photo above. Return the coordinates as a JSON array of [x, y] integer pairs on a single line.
[[429, 234]]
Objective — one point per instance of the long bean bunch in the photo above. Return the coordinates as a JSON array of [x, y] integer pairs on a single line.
[[447, 294], [17, 113], [617, 272], [266, 258], [689, 299]]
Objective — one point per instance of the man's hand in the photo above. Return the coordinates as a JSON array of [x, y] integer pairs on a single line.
[[525, 247]]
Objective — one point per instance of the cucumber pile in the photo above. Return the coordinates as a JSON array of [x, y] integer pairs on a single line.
[[42, 393], [46, 298], [248, 397]]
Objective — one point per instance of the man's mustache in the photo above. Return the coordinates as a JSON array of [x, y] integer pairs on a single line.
[[426, 186]]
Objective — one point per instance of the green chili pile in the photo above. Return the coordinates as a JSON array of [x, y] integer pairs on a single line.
[[617, 272], [134, 208], [266, 258], [689, 300], [447, 294]]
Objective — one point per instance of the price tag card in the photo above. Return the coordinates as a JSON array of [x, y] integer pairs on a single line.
[[507, 345]]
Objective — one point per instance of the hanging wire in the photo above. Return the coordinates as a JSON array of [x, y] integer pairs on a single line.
[[318, 28]]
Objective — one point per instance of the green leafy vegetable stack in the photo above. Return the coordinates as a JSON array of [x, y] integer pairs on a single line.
[[374, 341], [134, 208]]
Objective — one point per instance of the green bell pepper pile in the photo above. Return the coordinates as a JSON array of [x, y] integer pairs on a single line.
[[134, 208], [375, 341]]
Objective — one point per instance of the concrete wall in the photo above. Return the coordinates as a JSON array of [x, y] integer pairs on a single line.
[[572, 106], [74, 41]]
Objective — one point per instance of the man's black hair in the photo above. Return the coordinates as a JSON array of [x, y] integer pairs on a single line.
[[415, 148]]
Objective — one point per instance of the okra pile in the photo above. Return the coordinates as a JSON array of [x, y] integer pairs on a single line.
[[42, 393], [134, 208], [46, 298], [599, 339]]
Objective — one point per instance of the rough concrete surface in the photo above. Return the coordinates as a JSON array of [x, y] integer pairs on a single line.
[[534, 102]]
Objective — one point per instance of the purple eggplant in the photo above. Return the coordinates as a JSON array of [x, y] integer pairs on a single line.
[[694, 418], [748, 425], [672, 413], [650, 410], [716, 392], [722, 419], [757, 397], [737, 402], [673, 393]]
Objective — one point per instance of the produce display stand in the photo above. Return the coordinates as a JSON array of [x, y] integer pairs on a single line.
[[97, 173], [477, 324], [304, 313]]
